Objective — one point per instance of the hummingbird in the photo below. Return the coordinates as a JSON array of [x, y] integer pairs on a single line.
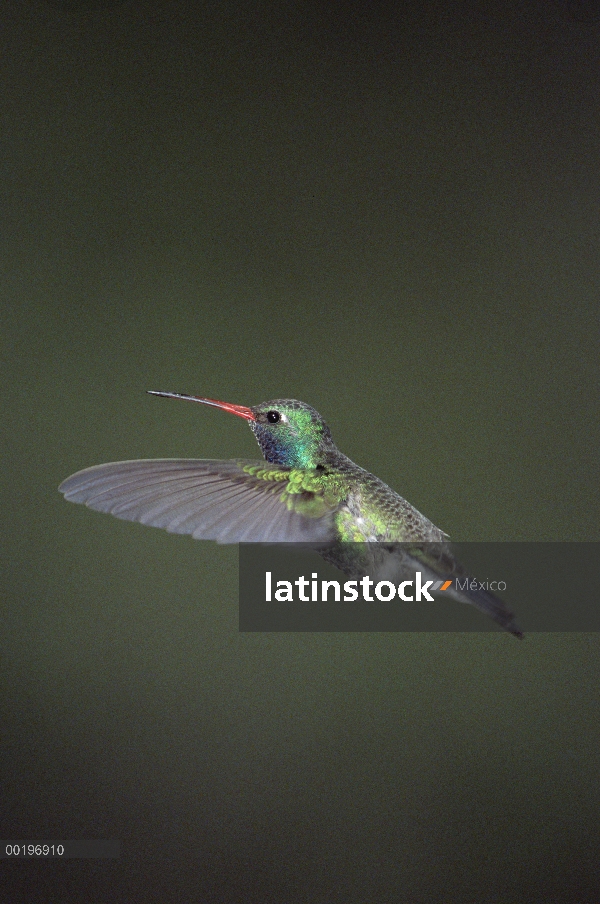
[[305, 491]]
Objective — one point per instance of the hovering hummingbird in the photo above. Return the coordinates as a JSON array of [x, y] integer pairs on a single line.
[[306, 491]]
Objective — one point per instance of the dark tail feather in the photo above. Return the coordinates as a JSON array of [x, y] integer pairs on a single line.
[[489, 603]]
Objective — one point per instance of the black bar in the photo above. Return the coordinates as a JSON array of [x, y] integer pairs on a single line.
[[548, 586]]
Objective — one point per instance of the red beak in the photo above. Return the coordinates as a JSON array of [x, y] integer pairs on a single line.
[[240, 410]]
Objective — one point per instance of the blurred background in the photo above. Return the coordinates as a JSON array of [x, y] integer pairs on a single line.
[[389, 211]]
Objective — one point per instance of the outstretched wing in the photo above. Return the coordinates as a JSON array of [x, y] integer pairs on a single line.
[[227, 501]]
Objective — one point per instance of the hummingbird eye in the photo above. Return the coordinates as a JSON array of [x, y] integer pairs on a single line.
[[273, 416]]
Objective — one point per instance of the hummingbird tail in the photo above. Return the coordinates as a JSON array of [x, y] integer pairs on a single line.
[[489, 603]]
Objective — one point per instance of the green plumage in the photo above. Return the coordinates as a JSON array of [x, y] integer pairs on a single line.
[[365, 508]]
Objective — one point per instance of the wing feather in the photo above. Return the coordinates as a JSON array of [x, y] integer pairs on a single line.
[[211, 500]]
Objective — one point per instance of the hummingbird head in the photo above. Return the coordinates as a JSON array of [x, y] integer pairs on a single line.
[[289, 433]]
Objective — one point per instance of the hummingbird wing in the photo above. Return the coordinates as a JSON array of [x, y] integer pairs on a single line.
[[227, 501]]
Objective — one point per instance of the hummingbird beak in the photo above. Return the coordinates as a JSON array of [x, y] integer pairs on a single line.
[[240, 410]]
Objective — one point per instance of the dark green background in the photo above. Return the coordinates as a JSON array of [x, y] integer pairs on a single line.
[[390, 212]]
